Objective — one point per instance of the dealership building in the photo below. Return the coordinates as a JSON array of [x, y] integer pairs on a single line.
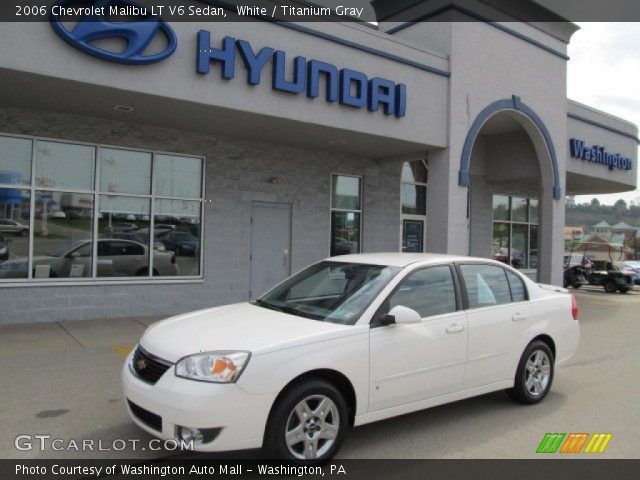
[[221, 157]]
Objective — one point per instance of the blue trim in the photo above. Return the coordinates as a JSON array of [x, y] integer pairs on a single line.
[[603, 126], [497, 25], [341, 41], [513, 103]]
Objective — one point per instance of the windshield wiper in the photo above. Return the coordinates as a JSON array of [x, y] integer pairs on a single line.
[[287, 309]]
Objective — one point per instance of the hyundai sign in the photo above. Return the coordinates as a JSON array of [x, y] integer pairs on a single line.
[[296, 76], [349, 87]]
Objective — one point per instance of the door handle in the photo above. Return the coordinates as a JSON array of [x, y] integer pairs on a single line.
[[455, 328], [517, 317]]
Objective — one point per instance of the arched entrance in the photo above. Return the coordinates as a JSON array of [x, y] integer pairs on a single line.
[[510, 167]]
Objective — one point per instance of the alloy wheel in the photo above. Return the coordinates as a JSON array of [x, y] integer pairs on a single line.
[[312, 427], [537, 373]]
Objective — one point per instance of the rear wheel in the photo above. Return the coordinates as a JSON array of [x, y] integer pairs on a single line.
[[610, 286], [308, 423], [534, 375], [576, 285], [24, 233]]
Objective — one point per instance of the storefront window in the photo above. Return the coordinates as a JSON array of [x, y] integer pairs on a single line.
[[68, 207], [14, 232], [63, 165], [15, 161], [515, 231], [62, 244], [177, 176], [414, 205], [346, 212], [123, 171]]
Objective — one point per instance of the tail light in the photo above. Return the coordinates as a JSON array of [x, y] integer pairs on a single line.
[[173, 259], [574, 308]]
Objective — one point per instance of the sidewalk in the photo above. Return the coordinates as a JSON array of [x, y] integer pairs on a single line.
[[63, 379], [118, 334]]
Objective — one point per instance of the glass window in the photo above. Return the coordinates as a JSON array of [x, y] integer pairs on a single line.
[[414, 199], [533, 246], [518, 290], [345, 233], [63, 165], [346, 193], [14, 233], [486, 285], [533, 210], [515, 242], [125, 171], [429, 292], [519, 237], [500, 207], [62, 243], [519, 209], [176, 176], [346, 215], [15, 161], [59, 218], [329, 291], [125, 219], [414, 172], [177, 229]]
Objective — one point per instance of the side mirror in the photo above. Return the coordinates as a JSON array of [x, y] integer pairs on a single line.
[[401, 316]]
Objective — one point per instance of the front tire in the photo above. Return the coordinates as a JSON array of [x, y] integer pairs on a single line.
[[308, 423], [534, 375]]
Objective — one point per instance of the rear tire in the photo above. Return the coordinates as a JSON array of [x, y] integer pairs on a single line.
[[610, 286], [534, 375], [307, 424], [576, 285]]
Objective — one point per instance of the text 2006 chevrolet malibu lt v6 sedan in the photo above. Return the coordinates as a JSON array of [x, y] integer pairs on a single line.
[[348, 341]]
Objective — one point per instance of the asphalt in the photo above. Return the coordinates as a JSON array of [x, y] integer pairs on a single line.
[[63, 379]]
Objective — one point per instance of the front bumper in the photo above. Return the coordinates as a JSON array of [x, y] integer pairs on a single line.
[[239, 418]]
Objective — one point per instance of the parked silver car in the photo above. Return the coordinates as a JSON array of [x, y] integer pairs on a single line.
[[116, 258], [11, 227]]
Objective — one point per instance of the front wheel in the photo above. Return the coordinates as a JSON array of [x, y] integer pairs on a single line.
[[308, 423], [534, 375]]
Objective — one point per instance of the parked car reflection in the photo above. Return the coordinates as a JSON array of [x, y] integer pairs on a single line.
[[116, 258], [4, 248]]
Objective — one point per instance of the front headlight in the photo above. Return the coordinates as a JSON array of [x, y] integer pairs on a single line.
[[216, 367]]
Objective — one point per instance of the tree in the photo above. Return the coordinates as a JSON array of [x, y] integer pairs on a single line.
[[620, 205], [571, 201], [595, 202]]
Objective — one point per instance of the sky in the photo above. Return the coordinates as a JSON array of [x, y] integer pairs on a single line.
[[603, 73]]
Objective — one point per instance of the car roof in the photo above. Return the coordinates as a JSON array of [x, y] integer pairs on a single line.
[[398, 259]]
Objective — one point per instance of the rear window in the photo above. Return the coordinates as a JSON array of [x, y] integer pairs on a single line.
[[486, 285], [518, 290]]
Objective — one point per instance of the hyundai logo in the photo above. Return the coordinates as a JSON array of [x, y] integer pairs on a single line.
[[141, 364], [94, 26]]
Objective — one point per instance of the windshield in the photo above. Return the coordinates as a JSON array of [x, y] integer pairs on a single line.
[[330, 291]]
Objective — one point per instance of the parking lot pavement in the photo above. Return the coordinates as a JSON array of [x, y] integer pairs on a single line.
[[63, 379]]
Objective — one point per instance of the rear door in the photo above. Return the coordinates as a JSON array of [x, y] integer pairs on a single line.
[[497, 316], [409, 363]]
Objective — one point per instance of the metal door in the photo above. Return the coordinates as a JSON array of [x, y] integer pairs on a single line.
[[270, 245]]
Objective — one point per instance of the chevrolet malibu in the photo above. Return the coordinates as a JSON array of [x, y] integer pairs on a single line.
[[347, 341]]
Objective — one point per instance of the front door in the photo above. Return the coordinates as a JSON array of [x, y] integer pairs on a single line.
[[270, 246], [414, 362]]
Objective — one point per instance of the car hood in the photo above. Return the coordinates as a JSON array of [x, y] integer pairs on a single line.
[[241, 326]]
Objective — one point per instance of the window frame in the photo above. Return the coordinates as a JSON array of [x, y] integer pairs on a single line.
[[332, 209], [383, 309], [463, 285], [95, 193]]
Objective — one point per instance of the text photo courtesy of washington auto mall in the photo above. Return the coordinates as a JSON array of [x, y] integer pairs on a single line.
[[359, 239]]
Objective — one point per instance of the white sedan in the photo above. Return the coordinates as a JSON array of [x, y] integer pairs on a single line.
[[347, 341]]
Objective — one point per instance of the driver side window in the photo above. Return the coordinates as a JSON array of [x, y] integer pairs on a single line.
[[429, 292]]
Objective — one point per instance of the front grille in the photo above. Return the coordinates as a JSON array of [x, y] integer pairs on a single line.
[[145, 416], [148, 367]]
